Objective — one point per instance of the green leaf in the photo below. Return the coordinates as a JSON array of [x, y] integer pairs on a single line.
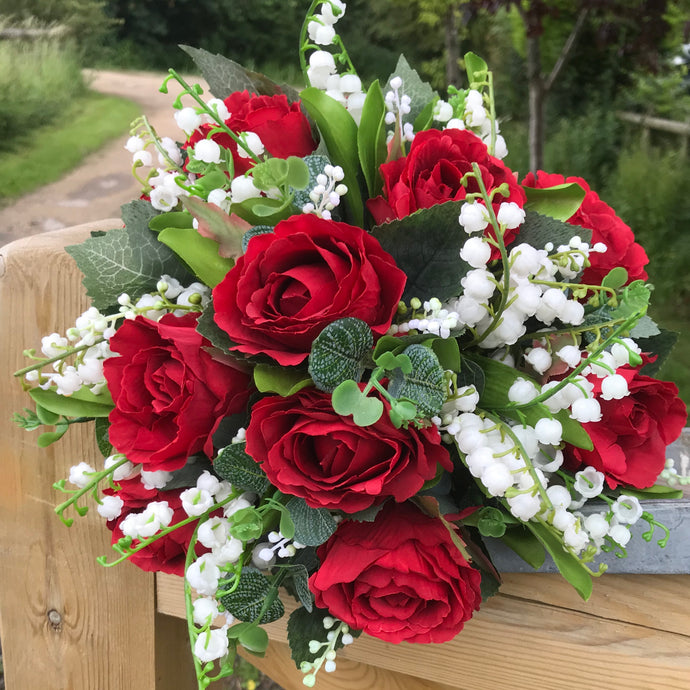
[[315, 165], [264, 210], [471, 374], [306, 625], [616, 278], [348, 399], [371, 138], [655, 492], [448, 352], [340, 353], [368, 514], [225, 76], [572, 569], [199, 253], [419, 91], [426, 246], [215, 222], [426, 117], [396, 344], [102, 428], [538, 230], [490, 522], [82, 403], [646, 327], [171, 219], [425, 386], [282, 380], [339, 132], [208, 328], [559, 202], [525, 544], [255, 232], [298, 173], [129, 259], [240, 469], [253, 638], [50, 437], [300, 579], [389, 362], [660, 345], [246, 602], [46, 416], [313, 526], [476, 69]]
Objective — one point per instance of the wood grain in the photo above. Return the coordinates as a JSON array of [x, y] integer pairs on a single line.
[[633, 633], [66, 622]]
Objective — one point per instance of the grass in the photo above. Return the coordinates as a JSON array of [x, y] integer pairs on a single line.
[[50, 151]]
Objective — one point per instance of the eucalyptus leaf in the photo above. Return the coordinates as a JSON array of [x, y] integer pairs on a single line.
[[340, 352], [425, 386], [348, 399], [616, 278]]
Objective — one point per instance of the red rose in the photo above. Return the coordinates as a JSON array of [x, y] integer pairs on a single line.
[[293, 282], [168, 553], [597, 216], [308, 450], [400, 578], [631, 438], [170, 394], [282, 127], [432, 171]]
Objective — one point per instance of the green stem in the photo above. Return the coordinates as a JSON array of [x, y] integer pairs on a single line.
[[57, 358]]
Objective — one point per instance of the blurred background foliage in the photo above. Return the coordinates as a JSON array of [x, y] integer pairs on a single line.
[[627, 55]]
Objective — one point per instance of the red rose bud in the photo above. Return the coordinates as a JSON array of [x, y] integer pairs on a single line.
[[399, 578], [293, 282], [308, 450], [170, 394], [597, 216]]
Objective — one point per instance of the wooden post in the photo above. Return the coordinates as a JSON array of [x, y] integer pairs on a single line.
[[66, 622]]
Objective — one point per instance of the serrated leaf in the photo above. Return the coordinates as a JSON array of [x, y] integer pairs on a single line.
[[660, 345], [426, 246], [246, 602], [425, 385], [313, 526], [420, 92], [207, 327], [240, 469], [572, 569], [281, 380], [300, 580], [560, 201], [302, 627], [538, 230], [217, 224], [371, 138], [82, 403], [339, 353], [129, 259], [339, 132], [646, 327]]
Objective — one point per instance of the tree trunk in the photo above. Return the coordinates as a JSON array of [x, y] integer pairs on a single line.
[[536, 104], [452, 46]]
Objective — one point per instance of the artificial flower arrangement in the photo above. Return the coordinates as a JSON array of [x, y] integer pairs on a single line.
[[337, 343]]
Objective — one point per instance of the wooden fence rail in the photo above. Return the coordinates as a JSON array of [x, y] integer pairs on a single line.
[[661, 124], [68, 624]]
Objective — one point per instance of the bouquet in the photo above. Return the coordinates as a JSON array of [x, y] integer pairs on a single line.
[[338, 343]]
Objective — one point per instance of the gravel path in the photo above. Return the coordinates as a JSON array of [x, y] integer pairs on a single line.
[[102, 183]]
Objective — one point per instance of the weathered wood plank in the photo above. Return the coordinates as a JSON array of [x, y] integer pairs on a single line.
[[66, 622], [537, 633]]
